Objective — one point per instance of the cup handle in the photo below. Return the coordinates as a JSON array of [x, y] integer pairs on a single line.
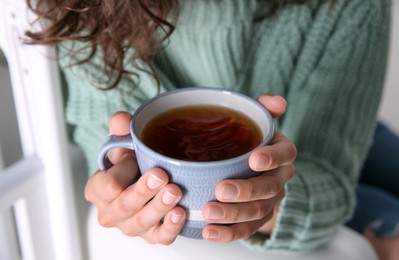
[[112, 142]]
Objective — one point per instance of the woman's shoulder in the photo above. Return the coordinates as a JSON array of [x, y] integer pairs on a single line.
[[349, 18], [357, 7]]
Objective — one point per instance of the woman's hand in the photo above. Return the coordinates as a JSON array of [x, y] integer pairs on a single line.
[[143, 206], [250, 205], [146, 206]]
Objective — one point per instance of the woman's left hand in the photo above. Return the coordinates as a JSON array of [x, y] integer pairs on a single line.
[[250, 205]]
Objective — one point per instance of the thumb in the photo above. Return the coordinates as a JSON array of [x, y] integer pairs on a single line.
[[119, 124], [275, 104]]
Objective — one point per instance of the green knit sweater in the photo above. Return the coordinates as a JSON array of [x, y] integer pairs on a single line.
[[328, 61]]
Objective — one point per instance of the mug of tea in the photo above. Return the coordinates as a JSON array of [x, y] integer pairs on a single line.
[[199, 136]]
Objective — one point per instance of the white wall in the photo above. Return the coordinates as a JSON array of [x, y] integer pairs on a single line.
[[389, 110]]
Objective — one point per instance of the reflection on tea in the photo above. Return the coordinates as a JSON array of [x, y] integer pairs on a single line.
[[202, 133]]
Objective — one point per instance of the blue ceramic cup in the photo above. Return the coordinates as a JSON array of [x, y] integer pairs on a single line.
[[197, 180]]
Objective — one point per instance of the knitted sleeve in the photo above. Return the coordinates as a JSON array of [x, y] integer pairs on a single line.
[[330, 117]]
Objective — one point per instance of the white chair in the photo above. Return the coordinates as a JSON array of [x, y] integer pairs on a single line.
[[45, 189], [37, 190]]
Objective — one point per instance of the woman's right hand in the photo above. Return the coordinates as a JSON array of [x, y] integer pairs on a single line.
[[144, 206]]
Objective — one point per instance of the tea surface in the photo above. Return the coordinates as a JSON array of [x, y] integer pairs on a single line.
[[202, 133]]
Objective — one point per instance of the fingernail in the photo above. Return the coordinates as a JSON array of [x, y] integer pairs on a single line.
[[229, 192], [168, 198], [212, 234], [154, 182], [176, 218], [262, 162], [214, 212]]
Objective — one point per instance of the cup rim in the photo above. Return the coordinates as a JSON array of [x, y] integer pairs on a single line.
[[137, 141]]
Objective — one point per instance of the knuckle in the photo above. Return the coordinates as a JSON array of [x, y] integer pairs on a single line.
[[140, 221], [166, 240], [104, 220], [128, 229], [229, 235], [274, 188], [256, 192], [165, 234], [128, 232], [274, 158], [251, 191], [242, 233], [263, 210], [235, 214], [140, 192], [111, 189], [124, 205]]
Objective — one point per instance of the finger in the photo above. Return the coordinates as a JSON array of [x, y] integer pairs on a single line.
[[165, 232], [230, 233], [281, 151], [276, 105], [105, 186], [133, 198], [264, 186], [173, 223], [119, 124], [243, 227], [153, 212], [216, 212]]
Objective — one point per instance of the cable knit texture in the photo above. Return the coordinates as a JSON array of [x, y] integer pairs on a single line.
[[327, 60]]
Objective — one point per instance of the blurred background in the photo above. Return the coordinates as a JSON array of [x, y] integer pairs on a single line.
[[389, 110], [9, 136]]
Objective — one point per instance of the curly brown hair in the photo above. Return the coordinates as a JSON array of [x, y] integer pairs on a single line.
[[113, 26]]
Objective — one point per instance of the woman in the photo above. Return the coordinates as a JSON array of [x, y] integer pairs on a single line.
[[326, 58]]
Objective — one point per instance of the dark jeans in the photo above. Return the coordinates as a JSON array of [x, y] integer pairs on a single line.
[[378, 190]]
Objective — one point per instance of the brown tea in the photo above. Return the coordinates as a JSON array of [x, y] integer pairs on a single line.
[[202, 133]]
